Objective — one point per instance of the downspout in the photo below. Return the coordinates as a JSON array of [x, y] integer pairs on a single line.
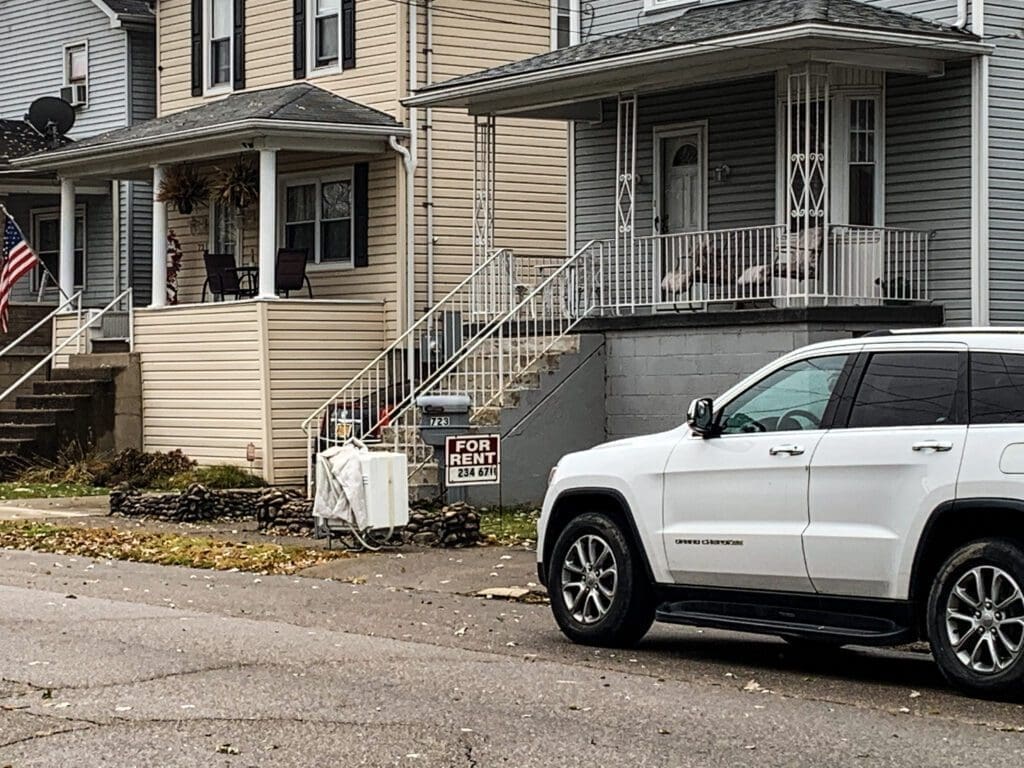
[[980, 310], [961, 14], [409, 160], [429, 133]]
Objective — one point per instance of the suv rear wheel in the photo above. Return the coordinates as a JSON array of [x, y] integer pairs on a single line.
[[976, 618], [600, 594]]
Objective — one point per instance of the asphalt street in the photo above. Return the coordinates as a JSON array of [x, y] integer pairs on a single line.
[[393, 662]]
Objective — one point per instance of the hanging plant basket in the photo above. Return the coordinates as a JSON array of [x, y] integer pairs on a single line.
[[184, 188], [238, 184]]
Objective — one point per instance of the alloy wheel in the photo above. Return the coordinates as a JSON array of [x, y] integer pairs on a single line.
[[985, 620], [589, 578]]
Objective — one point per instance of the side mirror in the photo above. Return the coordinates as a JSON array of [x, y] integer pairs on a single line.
[[701, 416]]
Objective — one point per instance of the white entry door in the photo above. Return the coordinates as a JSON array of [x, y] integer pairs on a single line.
[[681, 158]]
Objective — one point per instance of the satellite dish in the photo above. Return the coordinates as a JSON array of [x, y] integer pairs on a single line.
[[51, 117]]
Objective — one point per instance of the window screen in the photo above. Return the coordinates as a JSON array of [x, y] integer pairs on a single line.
[[997, 388], [904, 389]]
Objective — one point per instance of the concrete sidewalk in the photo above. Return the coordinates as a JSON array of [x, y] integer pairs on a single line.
[[42, 509]]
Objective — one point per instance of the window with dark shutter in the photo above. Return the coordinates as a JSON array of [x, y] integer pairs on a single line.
[[197, 47], [361, 217], [348, 34], [238, 49], [299, 40]]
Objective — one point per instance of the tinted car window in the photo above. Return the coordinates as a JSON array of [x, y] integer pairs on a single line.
[[792, 398], [997, 388], [907, 389]]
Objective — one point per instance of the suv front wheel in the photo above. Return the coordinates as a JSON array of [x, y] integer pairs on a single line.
[[976, 618], [600, 594]]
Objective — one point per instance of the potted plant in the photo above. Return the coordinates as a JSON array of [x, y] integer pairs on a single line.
[[238, 185], [184, 187]]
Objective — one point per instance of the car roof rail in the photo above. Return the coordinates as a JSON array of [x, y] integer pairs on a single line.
[[952, 331]]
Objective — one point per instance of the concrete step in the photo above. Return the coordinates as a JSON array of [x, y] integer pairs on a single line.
[[36, 415], [25, 431], [100, 360], [110, 346], [17, 446], [78, 374], [53, 402], [72, 387]]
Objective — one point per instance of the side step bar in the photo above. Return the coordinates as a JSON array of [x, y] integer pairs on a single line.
[[816, 622]]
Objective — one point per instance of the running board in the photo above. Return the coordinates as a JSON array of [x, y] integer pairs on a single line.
[[816, 622]]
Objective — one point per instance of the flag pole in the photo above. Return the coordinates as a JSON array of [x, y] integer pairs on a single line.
[[46, 272]]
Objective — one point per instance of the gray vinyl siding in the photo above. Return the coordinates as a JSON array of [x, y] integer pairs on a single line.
[[928, 177], [137, 223], [943, 11], [43, 28], [741, 134], [1006, 162], [99, 273]]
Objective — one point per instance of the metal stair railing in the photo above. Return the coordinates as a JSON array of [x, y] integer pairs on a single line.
[[496, 360], [73, 338], [365, 406]]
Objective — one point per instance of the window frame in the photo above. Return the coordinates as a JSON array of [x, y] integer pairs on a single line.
[[853, 383], [209, 87], [68, 82], [211, 231], [312, 68], [37, 215], [575, 16], [828, 419], [346, 173], [655, 6]]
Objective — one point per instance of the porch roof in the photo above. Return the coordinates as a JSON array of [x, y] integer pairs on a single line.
[[297, 116], [17, 139], [130, 11], [742, 31]]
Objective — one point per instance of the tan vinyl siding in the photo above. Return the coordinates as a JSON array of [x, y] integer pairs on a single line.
[[530, 186], [202, 387], [268, 53], [64, 327], [313, 348]]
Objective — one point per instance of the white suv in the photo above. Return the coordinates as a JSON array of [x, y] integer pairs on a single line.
[[866, 491]]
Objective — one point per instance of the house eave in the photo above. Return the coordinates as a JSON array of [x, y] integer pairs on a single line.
[[133, 153], [463, 96]]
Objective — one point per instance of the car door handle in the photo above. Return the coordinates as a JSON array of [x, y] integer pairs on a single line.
[[938, 446], [791, 450]]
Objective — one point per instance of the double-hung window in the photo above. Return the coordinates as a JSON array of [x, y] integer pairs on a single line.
[[324, 34], [318, 218], [565, 23], [220, 31], [46, 242]]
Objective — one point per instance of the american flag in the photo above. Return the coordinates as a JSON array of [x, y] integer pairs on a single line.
[[18, 260]]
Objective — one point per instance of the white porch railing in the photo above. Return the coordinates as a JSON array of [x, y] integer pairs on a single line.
[[838, 264], [84, 324]]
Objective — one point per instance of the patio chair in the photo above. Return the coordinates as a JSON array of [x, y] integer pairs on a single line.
[[223, 279], [291, 271]]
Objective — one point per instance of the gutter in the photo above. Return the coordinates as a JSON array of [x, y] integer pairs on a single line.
[[56, 158], [442, 94]]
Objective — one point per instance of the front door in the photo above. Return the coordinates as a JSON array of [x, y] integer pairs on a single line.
[[736, 505], [878, 475], [682, 190]]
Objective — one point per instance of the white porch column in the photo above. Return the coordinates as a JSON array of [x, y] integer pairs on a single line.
[[66, 269], [268, 223], [159, 298]]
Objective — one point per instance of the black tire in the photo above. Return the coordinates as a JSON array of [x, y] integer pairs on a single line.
[[987, 554], [630, 609]]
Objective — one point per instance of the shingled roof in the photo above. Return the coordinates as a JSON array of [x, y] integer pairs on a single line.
[[18, 138], [299, 102], [128, 10], [708, 22]]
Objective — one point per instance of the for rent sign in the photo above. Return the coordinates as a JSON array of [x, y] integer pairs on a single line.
[[473, 460]]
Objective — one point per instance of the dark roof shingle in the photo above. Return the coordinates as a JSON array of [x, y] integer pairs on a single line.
[[705, 23], [140, 9], [18, 139], [299, 102]]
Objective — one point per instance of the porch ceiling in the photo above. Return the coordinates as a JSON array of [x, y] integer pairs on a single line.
[[709, 42], [298, 117]]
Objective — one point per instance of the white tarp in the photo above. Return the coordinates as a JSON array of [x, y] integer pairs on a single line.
[[339, 485]]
